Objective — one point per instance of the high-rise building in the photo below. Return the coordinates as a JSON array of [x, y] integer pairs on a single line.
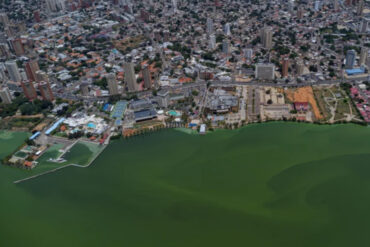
[[147, 77], [265, 71], [84, 88], [212, 42], [13, 72], [360, 7], [2, 72], [130, 78], [5, 95], [45, 91], [336, 5], [23, 75], [4, 19], [317, 5], [299, 67], [41, 76], [227, 31], [17, 46], [54, 5], [112, 84], [248, 53], [285, 67], [29, 90], [350, 59], [363, 55], [226, 46], [174, 6], [266, 37], [36, 16], [4, 50], [368, 60], [363, 26], [300, 13], [209, 26], [32, 67]]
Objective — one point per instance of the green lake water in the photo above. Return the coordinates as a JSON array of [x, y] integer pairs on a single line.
[[274, 184]]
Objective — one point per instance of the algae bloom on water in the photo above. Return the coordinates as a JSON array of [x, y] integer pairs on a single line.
[[274, 184]]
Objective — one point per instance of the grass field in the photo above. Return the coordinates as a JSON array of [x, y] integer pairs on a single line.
[[82, 153]]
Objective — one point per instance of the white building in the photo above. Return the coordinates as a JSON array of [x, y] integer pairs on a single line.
[[5, 95]]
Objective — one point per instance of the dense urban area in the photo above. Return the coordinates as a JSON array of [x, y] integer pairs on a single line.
[[84, 72]]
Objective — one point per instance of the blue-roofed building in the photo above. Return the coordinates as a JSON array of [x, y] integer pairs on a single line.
[[34, 136], [355, 71], [54, 126], [106, 107], [118, 122]]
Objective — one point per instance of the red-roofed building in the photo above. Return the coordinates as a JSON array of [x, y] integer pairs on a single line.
[[301, 106]]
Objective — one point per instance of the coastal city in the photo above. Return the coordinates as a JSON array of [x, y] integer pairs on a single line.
[[77, 74]]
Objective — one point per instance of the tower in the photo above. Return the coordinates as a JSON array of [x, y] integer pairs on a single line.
[[5, 96], [130, 78], [209, 26], [29, 90], [226, 46], [13, 71], [45, 91], [31, 68], [227, 31], [84, 88], [147, 77], [363, 26], [285, 67], [266, 37], [363, 55], [299, 67], [17, 47], [112, 84], [212, 42], [41, 76], [350, 59], [360, 7]]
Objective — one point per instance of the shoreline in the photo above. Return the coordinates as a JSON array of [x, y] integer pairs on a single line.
[[182, 130]]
